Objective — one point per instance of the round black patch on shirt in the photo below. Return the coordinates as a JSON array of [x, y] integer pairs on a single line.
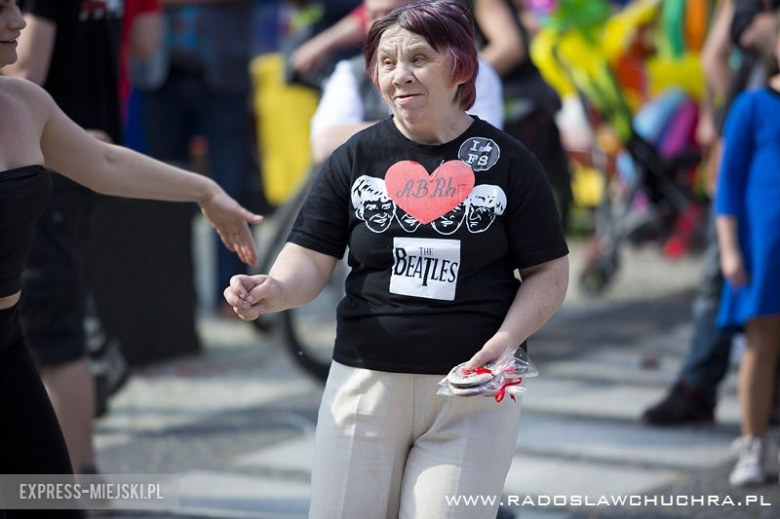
[[480, 153]]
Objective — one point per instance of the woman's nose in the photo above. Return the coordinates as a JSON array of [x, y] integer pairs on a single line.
[[402, 74], [17, 21]]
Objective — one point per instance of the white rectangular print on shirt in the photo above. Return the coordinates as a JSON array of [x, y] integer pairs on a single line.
[[425, 268]]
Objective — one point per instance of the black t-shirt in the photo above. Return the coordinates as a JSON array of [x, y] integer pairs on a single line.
[[84, 71], [423, 297]]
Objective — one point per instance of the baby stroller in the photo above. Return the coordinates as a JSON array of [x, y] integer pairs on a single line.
[[644, 150]]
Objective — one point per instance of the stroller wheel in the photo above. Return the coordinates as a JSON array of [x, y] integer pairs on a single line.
[[599, 269]]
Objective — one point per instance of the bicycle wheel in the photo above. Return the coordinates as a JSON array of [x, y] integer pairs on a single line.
[[283, 220], [310, 331]]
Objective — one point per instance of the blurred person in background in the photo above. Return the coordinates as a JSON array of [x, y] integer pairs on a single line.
[[72, 49], [335, 34], [693, 396], [530, 103], [748, 225], [197, 84], [142, 30], [386, 444], [738, 25], [141, 34], [37, 136]]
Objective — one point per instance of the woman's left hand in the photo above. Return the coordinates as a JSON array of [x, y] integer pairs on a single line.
[[492, 350], [231, 222]]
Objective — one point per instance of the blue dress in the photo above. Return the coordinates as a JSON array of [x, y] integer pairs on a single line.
[[749, 189]]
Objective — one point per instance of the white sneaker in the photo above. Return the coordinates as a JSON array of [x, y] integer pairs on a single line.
[[750, 468]]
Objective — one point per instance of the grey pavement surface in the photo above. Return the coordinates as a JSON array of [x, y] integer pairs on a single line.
[[234, 426]]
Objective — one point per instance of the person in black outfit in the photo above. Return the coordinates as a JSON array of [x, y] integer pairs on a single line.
[[530, 103], [72, 49], [36, 135]]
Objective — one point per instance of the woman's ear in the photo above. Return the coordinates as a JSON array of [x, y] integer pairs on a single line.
[[453, 66]]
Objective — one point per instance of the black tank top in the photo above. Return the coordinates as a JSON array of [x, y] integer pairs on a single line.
[[24, 195]]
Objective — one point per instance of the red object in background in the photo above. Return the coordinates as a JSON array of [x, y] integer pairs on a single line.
[[684, 230], [132, 9], [631, 73], [360, 14]]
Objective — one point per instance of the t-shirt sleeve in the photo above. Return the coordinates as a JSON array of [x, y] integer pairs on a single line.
[[533, 224], [738, 149], [322, 224], [46, 9]]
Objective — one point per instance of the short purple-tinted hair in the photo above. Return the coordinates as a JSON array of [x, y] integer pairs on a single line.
[[445, 25]]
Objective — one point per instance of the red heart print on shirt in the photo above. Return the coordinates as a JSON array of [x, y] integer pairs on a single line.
[[427, 197]]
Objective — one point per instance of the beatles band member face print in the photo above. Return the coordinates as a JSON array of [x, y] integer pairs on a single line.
[[450, 222], [484, 203], [372, 203], [408, 222]]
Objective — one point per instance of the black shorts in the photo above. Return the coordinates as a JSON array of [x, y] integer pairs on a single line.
[[54, 284]]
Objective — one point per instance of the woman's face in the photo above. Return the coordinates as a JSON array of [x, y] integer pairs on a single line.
[[11, 25], [414, 78]]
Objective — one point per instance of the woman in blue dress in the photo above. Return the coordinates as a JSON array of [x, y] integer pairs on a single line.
[[748, 222]]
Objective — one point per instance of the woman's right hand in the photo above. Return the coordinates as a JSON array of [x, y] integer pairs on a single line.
[[733, 267], [252, 296], [231, 221]]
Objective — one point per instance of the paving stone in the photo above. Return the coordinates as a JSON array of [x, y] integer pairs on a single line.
[[295, 454], [623, 442]]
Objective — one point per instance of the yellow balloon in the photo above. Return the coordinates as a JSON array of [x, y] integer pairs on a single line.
[[588, 185], [619, 30], [542, 55], [685, 73]]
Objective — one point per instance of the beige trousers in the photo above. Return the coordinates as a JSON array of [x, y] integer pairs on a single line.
[[387, 446]]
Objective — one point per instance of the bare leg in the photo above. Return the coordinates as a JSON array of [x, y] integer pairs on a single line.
[[757, 373], [71, 389]]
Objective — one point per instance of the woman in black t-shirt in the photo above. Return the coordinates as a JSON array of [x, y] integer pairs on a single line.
[[438, 209], [35, 135]]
